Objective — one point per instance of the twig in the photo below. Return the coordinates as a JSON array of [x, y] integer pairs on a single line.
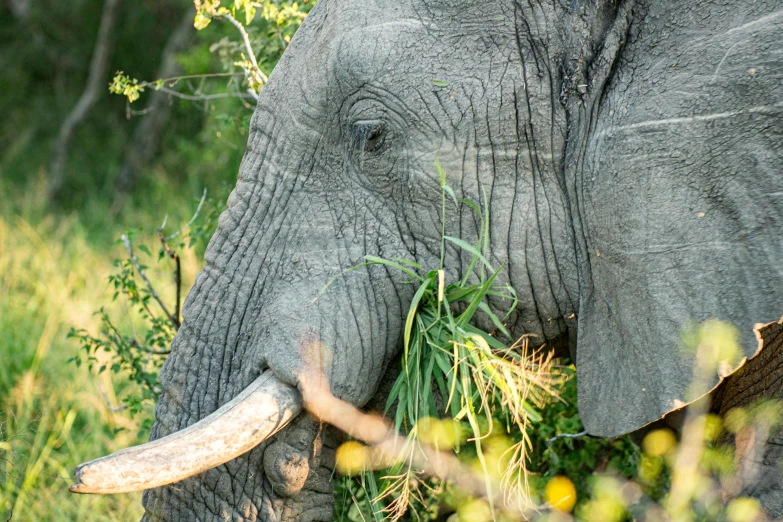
[[206, 97], [143, 275], [566, 436], [174, 79], [257, 75], [261, 76], [133, 112], [141, 347], [177, 276], [118, 338], [173, 255], [128, 315], [108, 402], [192, 219]]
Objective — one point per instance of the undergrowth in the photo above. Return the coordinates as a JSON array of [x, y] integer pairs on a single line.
[[53, 415]]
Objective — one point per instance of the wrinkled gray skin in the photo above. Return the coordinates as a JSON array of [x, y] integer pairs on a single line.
[[631, 157]]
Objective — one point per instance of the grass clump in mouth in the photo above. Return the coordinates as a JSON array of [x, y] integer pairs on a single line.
[[462, 388]]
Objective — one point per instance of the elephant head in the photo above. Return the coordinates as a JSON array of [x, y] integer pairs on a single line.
[[631, 160]]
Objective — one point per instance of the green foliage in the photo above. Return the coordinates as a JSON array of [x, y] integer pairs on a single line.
[[254, 52], [126, 86], [46, 60], [139, 354], [556, 451], [52, 414], [492, 390]]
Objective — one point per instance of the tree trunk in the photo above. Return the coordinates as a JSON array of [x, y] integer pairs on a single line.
[[146, 136], [96, 82]]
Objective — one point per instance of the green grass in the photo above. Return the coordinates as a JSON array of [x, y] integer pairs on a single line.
[[53, 275], [493, 387]]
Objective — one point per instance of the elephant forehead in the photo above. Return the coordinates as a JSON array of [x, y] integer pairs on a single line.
[[411, 64], [682, 206], [407, 49]]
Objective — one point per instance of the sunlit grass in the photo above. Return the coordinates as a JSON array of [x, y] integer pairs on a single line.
[[52, 414]]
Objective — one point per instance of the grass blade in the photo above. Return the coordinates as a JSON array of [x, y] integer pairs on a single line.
[[412, 311], [470, 248], [373, 260]]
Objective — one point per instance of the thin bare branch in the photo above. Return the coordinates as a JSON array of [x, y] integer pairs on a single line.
[[108, 402], [251, 55], [171, 254], [174, 79], [192, 219], [153, 352], [143, 275], [566, 436], [206, 97], [142, 348], [133, 112], [128, 315], [118, 339]]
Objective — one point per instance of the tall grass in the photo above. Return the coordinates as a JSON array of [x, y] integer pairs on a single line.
[[53, 415]]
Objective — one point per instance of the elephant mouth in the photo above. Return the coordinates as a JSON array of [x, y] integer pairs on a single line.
[[257, 413]]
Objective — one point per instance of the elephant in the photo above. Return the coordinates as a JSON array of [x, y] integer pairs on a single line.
[[630, 152]]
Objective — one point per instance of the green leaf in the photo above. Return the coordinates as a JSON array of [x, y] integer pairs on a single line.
[[470, 248], [450, 192], [377, 509], [440, 83], [491, 341], [412, 312], [394, 393], [467, 315], [462, 293], [380, 261], [335, 278], [532, 413], [472, 205], [484, 307], [408, 262]]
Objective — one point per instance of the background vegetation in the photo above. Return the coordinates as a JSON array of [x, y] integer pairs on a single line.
[[57, 247]]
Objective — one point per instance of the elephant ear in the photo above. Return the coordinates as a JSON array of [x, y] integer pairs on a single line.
[[680, 200]]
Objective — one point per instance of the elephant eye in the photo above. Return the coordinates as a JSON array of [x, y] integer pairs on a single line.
[[366, 136]]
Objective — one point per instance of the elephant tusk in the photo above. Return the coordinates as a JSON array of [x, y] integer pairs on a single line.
[[260, 411]]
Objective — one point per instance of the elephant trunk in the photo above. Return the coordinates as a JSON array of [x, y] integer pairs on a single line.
[[260, 411]]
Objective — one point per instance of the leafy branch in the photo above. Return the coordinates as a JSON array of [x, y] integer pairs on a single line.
[[140, 354], [281, 18]]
